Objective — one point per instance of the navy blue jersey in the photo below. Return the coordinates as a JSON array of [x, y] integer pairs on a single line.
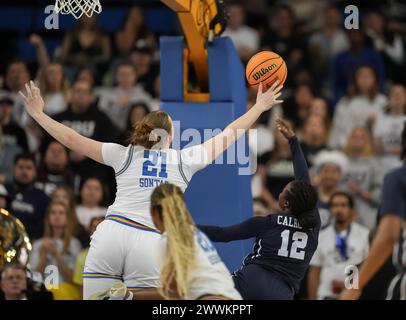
[[393, 202], [282, 246]]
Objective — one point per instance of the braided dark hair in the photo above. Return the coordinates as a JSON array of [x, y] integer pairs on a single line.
[[302, 201]]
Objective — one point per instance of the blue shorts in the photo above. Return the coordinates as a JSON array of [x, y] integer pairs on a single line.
[[256, 283]]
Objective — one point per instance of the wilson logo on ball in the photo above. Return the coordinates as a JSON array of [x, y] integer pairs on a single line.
[[257, 75]]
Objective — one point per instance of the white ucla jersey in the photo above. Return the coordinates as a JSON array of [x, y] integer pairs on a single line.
[[139, 171], [211, 277]]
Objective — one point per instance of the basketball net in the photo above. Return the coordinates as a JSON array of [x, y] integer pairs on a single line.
[[78, 7]]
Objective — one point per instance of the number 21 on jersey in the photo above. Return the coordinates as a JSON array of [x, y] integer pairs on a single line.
[[297, 245], [155, 164]]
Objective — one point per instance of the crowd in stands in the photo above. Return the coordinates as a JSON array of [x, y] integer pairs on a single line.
[[345, 97]]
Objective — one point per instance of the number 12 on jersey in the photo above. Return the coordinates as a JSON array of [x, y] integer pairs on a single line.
[[155, 164], [299, 242]]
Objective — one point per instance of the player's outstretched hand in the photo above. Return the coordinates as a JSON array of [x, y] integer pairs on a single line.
[[34, 104], [284, 128], [266, 100]]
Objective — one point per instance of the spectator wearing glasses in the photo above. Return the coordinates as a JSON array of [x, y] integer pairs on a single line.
[[343, 243]]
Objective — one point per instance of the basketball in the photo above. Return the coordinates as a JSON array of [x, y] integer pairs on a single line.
[[266, 67]]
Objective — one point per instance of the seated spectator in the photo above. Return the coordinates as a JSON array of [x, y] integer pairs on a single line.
[[359, 107], [16, 285], [155, 103], [346, 63], [81, 258], [133, 31], [65, 195], [137, 112], [363, 178], [57, 248], [320, 107], [87, 75], [54, 170], [28, 203], [91, 196], [245, 39], [283, 39], [324, 45], [343, 244], [388, 129], [116, 103], [329, 169], [314, 137], [8, 152], [4, 199], [54, 88], [85, 45], [390, 45], [142, 57], [84, 117], [12, 132], [297, 108]]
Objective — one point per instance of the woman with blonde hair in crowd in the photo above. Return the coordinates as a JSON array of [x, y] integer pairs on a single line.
[[363, 176], [57, 248]]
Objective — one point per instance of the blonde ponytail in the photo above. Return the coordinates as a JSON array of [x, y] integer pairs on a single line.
[[180, 258]]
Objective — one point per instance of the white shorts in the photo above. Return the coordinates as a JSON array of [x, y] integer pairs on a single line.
[[122, 250]]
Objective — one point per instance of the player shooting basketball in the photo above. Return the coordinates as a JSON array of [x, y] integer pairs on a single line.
[[128, 232]]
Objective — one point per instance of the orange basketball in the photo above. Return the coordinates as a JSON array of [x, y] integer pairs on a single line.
[[266, 67]]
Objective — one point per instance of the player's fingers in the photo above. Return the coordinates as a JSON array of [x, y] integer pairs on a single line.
[[278, 89], [29, 93], [259, 89], [276, 96], [23, 96], [278, 101], [274, 85]]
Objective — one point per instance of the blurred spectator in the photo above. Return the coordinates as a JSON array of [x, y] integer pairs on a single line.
[[330, 168], [304, 12], [297, 108], [85, 45], [359, 107], [81, 258], [320, 107], [54, 89], [54, 170], [84, 117], [346, 63], [325, 44], [116, 103], [4, 199], [65, 195], [363, 177], [18, 283], [12, 132], [27, 202], [91, 196], [17, 75], [245, 39], [388, 129], [391, 45], [42, 52], [283, 39], [142, 57], [155, 103], [314, 137], [344, 243], [57, 248], [137, 112], [87, 75], [132, 32], [8, 152], [279, 168]]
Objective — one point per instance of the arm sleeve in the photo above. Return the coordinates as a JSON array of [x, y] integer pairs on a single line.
[[193, 159], [114, 155], [248, 229], [393, 195], [299, 162]]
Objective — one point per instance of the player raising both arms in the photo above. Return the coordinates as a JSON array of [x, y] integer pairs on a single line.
[[191, 268], [124, 244], [390, 236], [285, 241]]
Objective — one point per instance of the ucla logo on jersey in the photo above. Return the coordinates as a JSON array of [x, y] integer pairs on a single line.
[[207, 247]]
